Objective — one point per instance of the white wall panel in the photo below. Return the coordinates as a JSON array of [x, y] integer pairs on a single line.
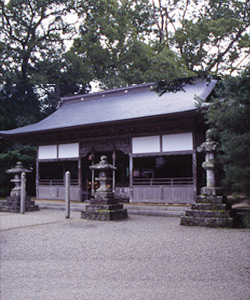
[[177, 142], [146, 144], [68, 150], [47, 152]]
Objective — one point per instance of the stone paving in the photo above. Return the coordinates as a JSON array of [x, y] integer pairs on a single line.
[[45, 256]]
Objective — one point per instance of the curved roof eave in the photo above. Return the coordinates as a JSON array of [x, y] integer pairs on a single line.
[[14, 134], [119, 106]]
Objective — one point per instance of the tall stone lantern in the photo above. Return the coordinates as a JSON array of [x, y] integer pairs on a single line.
[[13, 202], [209, 148], [104, 206], [211, 208]]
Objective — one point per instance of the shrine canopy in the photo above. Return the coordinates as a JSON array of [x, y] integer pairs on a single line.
[[118, 105]]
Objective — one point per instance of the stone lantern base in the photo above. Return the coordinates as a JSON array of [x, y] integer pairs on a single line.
[[210, 210], [12, 204], [104, 209]]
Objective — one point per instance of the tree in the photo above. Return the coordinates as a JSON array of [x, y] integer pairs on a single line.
[[210, 35], [115, 39], [31, 31], [32, 34], [133, 41], [16, 111], [107, 31], [229, 116]]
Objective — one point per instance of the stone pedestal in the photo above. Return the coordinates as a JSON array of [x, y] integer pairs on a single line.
[[209, 210], [104, 206], [104, 212], [12, 204]]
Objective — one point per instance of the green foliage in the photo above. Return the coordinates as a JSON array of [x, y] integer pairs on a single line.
[[25, 154], [111, 40], [212, 36], [18, 107], [31, 31], [229, 115], [118, 42]]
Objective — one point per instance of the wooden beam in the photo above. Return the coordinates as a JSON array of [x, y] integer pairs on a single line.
[[80, 178]]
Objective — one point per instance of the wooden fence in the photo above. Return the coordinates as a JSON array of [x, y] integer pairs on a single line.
[[163, 190]]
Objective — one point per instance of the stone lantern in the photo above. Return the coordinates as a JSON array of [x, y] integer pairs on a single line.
[[104, 168], [209, 148], [17, 171], [211, 208], [12, 203], [103, 206]]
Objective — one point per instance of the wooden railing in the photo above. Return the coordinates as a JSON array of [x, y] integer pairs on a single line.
[[136, 181], [52, 182], [163, 181]]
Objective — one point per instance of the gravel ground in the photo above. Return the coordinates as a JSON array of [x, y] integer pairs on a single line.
[[47, 257]]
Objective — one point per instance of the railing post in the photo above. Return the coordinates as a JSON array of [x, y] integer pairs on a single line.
[[23, 193], [67, 194]]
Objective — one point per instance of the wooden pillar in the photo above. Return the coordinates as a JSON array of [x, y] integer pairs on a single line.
[[92, 175], [194, 166], [113, 184], [131, 177]]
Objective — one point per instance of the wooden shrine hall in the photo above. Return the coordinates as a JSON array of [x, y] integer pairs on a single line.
[[151, 139]]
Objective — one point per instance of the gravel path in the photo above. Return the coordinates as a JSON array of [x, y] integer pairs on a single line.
[[47, 257]]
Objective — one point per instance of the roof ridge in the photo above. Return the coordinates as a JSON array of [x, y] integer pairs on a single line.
[[111, 91]]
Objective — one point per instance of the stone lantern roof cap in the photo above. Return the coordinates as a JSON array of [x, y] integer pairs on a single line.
[[103, 165], [18, 169]]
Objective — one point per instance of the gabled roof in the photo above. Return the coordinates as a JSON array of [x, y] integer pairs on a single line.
[[129, 103]]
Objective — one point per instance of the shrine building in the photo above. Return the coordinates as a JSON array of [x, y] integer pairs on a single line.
[[151, 139]]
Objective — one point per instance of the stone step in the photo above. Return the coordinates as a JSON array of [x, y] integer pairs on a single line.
[[27, 205], [209, 206], [135, 209], [104, 207], [104, 201], [104, 215], [208, 213], [5, 209], [17, 209], [211, 199], [156, 207], [206, 221], [156, 212], [14, 206]]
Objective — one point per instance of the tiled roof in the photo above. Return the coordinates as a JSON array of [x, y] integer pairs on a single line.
[[121, 104]]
